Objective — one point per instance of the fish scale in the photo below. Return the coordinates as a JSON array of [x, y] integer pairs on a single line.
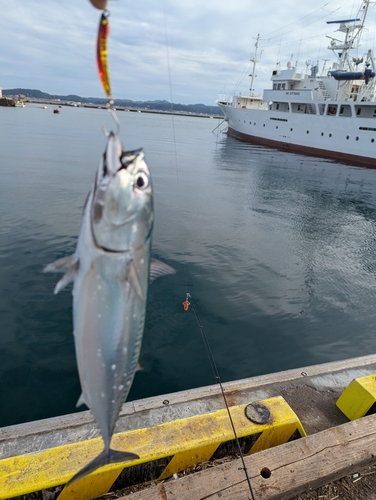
[[110, 271]]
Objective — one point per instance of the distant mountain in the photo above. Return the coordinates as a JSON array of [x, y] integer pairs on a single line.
[[158, 105]]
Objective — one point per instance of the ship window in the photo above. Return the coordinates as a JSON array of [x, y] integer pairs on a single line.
[[330, 135], [347, 137], [254, 123], [291, 129], [274, 86], [276, 126], [279, 86], [307, 131], [357, 138], [332, 110], [372, 140], [263, 125], [277, 105], [283, 86], [358, 111], [322, 133], [274, 72]]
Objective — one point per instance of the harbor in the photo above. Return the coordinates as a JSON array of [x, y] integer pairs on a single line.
[[210, 334], [191, 427]]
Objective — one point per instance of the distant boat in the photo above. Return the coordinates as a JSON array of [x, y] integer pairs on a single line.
[[19, 104], [57, 111], [328, 113]]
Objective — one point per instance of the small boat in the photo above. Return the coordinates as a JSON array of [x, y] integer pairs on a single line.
[[20, 104], [56, 110]]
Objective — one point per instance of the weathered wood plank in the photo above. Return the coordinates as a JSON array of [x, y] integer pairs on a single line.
[[293, 467]]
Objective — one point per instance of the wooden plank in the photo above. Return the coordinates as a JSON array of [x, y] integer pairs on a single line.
[[288, 469]]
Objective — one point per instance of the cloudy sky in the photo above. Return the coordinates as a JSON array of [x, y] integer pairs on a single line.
[[159, 49]]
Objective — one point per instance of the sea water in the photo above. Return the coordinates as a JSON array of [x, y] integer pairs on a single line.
[[277, 250]]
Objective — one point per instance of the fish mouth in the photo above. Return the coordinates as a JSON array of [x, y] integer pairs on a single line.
[[119, 224]]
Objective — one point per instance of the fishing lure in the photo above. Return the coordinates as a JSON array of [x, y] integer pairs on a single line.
[[186, 303], [103, 31]]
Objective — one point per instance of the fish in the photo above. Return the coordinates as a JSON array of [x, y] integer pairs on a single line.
[[110, 270]]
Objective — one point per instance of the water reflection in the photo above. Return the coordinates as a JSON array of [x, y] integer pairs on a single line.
[[277, 250]]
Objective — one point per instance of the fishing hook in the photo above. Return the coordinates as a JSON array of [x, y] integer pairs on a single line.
[[111, 110]]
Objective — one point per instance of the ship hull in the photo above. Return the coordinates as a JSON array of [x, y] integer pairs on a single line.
[[343, 139]]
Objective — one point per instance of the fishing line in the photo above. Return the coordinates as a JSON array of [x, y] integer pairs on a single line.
[[218, 379], [187, 303], [170, 88]]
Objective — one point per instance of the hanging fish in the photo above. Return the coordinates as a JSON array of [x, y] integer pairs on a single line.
[[110, 270], [103, 32]]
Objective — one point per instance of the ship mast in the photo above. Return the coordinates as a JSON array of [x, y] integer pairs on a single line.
[[254, 60], [352, 87], [353, 29]]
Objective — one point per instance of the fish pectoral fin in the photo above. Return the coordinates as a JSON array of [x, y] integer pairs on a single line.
[[134, 281], [61, 265], [82, 401], [108, 456], [67, 278], [158, 268]]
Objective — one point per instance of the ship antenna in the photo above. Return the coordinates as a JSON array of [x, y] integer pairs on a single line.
[[254, 60]]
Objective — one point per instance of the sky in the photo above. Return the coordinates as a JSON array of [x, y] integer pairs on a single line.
[[187, 52]]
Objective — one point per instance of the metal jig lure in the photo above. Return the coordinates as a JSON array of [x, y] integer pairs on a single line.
[[104, 74], [103, 31]]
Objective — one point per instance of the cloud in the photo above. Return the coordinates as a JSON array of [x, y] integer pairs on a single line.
[[190, 50]]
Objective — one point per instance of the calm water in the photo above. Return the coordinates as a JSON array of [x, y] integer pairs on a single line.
[[277, 250]]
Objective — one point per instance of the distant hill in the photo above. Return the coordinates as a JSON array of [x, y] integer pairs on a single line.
[[158, 105]]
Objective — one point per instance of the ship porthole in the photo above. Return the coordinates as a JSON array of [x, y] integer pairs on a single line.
[[347, 137], [291, 129], [307, 131], [322, 133], [357, 138], [372, 140], [330, 135]]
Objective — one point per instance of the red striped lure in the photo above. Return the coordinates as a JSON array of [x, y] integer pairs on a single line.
[[103, 31]]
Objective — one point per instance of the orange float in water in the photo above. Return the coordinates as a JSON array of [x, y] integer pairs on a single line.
[[186, 304]]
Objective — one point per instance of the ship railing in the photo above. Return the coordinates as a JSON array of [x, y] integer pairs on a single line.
[[224, 99]]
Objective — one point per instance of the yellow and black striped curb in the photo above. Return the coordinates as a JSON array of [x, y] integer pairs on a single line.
[[163, 449], [359, 398]]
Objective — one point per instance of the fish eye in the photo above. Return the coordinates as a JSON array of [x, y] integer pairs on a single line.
[[141, 181]]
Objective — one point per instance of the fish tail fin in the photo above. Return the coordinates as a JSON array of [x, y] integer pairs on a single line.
[[108, 456]]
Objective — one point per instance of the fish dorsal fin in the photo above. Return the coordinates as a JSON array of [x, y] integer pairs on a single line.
[[134, 281], [67, 278], [158, 268], [61, 265]]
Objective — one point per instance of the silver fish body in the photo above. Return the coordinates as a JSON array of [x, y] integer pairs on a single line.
[[110, 270]]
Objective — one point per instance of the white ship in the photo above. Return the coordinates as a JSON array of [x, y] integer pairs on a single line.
[[329, 113]]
